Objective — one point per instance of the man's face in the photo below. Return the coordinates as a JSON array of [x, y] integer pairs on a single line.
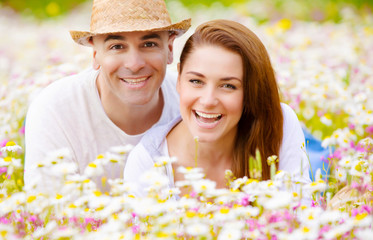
[[132, 65]]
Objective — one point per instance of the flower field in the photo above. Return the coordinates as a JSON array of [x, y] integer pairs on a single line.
[[325, 73]]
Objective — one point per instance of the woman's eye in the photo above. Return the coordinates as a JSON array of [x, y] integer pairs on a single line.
[[229, 86], [195, 81]]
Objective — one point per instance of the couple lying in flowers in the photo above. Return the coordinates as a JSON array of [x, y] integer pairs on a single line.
[[223, 110]]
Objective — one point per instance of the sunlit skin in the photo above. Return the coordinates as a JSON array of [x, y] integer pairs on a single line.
[[211, 102], [132, 67]]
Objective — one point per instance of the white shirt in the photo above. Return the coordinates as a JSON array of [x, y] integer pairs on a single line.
[[68, 114], [293, 157]]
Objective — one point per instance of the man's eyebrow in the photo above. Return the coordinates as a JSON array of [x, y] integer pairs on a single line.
[[151, 36], [114, 37]]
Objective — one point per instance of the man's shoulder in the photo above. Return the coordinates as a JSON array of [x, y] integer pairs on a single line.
[[68, 83], [62, 89]]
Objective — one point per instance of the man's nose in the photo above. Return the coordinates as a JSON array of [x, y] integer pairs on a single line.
[[134, 61]]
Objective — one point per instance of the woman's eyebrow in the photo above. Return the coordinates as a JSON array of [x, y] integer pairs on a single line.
[[223, 79], [196, 73]]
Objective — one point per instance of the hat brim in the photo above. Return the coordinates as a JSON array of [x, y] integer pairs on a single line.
[[82, 37]]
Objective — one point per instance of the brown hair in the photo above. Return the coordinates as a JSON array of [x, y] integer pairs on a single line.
[[260, 126]]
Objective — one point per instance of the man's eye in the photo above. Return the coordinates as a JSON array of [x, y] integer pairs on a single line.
[[150, 44], [229, 86], [116, 47]]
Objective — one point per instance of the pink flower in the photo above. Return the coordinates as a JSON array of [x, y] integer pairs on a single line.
[[366, 208], [22, 130], [193, 194], [33, 218], [3, 170], [4, 220], [354, 212], [3, 142], [324, 229], [135, 229], [369, 129], [74, 219], [245, 201]]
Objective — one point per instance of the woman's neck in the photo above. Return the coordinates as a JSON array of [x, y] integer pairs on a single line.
[[213, 157]]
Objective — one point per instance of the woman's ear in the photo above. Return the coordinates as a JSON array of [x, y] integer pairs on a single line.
[[178, 68]]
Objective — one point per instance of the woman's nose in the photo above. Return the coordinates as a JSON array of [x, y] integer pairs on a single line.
[[208, 97]]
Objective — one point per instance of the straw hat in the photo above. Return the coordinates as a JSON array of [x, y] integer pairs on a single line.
[[113, 16]]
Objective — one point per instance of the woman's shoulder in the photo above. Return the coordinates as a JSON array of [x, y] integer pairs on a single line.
[[286, 109], [154, 137], [290, 117]]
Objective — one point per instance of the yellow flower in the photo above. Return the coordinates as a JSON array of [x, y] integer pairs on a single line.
[[92, 165], [30, 199], [284, 24], [10, 143], [53, 9], [224, 210], [58, 196]]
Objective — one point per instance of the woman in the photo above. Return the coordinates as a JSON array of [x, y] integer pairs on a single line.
[[229, 99]]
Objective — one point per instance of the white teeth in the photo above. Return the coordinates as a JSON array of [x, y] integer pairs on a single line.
[[206, 115], [134, 81]]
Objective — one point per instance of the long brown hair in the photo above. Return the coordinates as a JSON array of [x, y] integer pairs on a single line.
[[260, 126]]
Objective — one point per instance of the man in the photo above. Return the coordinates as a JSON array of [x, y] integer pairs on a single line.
[[126, 93]]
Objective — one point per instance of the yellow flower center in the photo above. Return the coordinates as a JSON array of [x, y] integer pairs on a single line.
[[10, 143]]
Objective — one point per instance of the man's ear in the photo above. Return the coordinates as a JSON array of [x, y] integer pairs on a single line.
[[178, 79], [95, 64], [170, 46]]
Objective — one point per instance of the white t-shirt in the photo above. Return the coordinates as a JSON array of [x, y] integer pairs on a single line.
[[292, 153], [68, 114]]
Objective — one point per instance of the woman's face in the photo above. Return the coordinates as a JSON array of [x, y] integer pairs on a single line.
[[211, 93]]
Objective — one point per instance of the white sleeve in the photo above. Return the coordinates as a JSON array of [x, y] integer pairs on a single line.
[[138, 162], [293, 157], [44, 133]]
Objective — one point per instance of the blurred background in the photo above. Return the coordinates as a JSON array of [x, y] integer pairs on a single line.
[[321, 51], [262, 10]]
